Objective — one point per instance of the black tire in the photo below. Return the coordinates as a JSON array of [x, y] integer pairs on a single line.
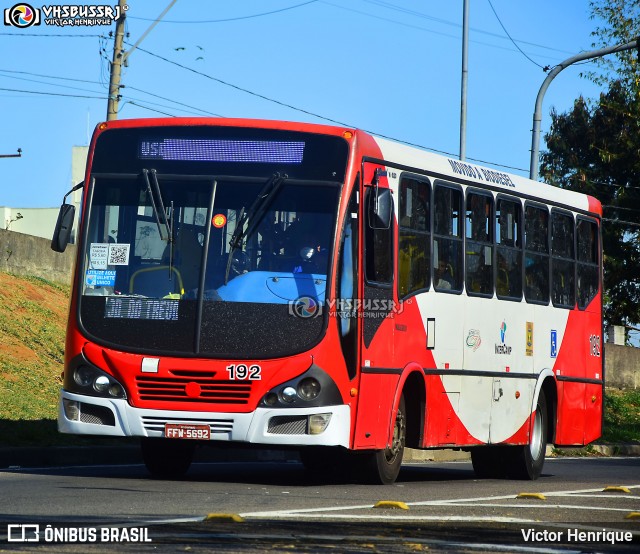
[[383, 466], [490, 462], [167, 458], [527, 461]]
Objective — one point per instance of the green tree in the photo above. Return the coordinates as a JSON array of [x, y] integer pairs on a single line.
[[594, 148]]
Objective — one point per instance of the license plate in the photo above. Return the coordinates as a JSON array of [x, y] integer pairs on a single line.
[[184, 431]]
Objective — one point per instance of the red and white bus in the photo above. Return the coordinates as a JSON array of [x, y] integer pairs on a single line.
[[297, 285]]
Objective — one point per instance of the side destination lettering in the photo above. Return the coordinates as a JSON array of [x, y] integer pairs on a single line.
[[481, 173]]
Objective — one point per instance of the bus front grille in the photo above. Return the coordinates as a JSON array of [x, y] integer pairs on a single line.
[[190, 389]]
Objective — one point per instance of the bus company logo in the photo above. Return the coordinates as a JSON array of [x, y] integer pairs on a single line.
[[305, 307], [473, 339], [503, 348], [21, 16], [62, 15]]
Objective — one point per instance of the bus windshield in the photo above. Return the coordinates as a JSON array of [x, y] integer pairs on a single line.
[[214, 265]]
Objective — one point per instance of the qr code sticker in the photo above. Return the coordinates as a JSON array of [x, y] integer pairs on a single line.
[[119, 254]]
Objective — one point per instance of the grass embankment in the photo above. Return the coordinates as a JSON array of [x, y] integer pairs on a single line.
[[33, 314]]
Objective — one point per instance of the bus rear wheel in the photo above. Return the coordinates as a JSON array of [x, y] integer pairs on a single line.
[[528, 460], [383, 466], [167, 458]]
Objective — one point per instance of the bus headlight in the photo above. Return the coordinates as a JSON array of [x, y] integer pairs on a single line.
[[288, 394], [87, 379], [309, 388], [101, 384]]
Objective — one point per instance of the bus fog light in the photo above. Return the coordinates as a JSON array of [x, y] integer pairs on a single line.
[[289, 394], [318, 423], [309, 389], [82, 376], [71, 409], [101, 384]]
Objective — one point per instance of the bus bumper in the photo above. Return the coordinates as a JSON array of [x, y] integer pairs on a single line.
[[321, 426]]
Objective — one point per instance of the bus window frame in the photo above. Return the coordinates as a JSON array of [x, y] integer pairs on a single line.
[[491, 242], [454, 186], [428, 182], [518, 201], [366, 229], [545, 207], [564, 213], [595, 221]]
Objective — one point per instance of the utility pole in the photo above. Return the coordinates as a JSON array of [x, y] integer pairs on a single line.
[[116, 65], [120, 57], [465, 74], [537, 114]]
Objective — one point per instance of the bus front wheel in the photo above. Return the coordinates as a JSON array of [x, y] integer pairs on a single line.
[[167, 458]]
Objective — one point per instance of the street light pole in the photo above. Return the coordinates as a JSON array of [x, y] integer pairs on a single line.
[[537, 114], [465, 74]]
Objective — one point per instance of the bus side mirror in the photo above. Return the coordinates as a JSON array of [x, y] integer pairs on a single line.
[[64, 226], [380, 208]]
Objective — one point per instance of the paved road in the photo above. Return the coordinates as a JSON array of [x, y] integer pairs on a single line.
[[448, 509]]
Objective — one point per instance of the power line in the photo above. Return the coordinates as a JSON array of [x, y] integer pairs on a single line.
[[96, 82], [45, 35], [52, 93], [227, 19], [621, 222], [313, 114], [511, 39], [393, 7], [144, 107]]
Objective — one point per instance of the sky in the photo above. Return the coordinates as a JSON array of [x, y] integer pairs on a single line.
[[391, 67]]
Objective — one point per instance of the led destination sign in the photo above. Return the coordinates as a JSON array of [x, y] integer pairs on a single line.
[[218, 150]]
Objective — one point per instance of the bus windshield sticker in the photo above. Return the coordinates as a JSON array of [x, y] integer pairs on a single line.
[[98, 255], [100, 278], [119, 253]]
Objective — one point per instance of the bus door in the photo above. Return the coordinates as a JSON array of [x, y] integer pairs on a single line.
[[378, 379]]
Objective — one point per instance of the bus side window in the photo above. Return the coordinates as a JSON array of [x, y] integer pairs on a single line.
[[588, 268], [509, 249], [563, 260], [479, 244], [413, 236], [447, 239], [536, 259], [378, 257]]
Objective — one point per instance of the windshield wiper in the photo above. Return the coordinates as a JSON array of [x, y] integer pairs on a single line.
[[153, 193], [254, 213], [160, 209]]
